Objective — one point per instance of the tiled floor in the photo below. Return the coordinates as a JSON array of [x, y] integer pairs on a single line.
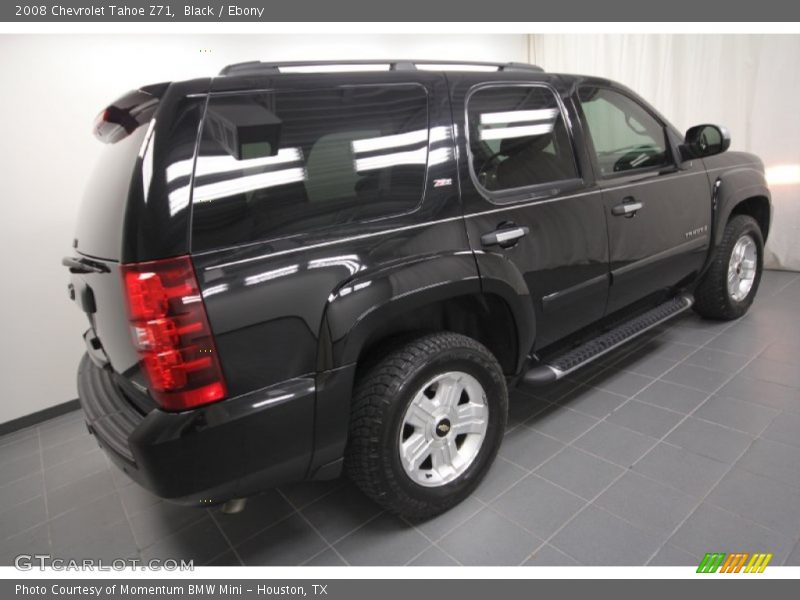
[[684, 443]]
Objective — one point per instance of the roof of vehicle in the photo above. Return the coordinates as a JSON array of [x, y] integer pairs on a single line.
[[268, 68]]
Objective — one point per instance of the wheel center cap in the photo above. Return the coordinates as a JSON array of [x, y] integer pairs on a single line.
[[443, 427]]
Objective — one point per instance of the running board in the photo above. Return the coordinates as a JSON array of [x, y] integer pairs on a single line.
[[576, 358]]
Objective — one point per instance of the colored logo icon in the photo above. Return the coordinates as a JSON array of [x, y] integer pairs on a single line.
[[738, 562]]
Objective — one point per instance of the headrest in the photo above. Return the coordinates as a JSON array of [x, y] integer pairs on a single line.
[[533, 143]]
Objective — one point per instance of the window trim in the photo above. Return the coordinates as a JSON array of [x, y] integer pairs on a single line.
[[670, 164], [537, 191], [210, 96]]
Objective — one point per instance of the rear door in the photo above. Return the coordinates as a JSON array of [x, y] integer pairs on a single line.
[[658, 215], [530, 201]]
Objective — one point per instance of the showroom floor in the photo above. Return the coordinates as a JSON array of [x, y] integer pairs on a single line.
[[685, 443]]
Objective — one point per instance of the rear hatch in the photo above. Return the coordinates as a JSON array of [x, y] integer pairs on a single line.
[[125, 127]]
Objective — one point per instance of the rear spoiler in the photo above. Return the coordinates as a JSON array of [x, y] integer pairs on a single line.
[[127, 113]]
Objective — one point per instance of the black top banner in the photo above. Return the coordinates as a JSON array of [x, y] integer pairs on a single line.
[[151, 11]]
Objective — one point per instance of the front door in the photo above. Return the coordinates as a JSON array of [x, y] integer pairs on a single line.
[[658, 215]]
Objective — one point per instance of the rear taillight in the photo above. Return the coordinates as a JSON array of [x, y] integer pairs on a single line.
[[171, 333]]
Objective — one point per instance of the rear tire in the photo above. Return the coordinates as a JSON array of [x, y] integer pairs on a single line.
[[729, 286], [427, 422]]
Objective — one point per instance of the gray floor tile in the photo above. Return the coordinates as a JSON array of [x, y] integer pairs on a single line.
[[339, 513], [644, 364], [668, 350], [580, 473], [62, 432], [737, 414], [781, 352], [434, 557], [79, 493], [35, 540], [162, 519], [672, 396], [772, 459], [68, 451], [776, 372], [500, 477], [698, 378], [70, 529], [712, 529], [550, 556], [717, 360], [386, 540], [793, 559], [646, 503], [287, 543], [18, 518], [760, 499], [645, 418], [18, 435], [501, 541], [74, 470], [134, 497], [617, 444], [73, 415], [528, 448], [19, 449], [21, 490], [596, 537], [261, 512], [737, 343], [761, 392], [785, 429], [710, 439], [522, 407], [439, 526], [681, 469], [226, 559], [551, 392], [18, 468], [326, 558], [672, 556], [113, 540], [561, 423], [306, 492], [538, 505], [200, 542], [621, 382], [592, 401]]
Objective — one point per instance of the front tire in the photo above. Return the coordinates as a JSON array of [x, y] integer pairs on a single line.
[[729, 286], [427, 422]]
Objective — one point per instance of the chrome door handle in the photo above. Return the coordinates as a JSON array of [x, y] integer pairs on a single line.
[[627, 209], [504, 237]]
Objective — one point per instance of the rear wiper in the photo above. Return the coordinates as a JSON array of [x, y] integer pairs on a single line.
[[83, 265]]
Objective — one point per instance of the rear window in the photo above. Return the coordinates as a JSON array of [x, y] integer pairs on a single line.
[[122, 128], [282, 163]]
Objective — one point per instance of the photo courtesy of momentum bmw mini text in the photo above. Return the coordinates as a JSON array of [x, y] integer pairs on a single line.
[[349, 299]]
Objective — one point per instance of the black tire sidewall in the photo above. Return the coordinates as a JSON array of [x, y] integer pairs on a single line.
[[459, 359]]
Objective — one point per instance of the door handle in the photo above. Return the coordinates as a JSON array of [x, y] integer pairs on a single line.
[[628, 208], [504, 237]]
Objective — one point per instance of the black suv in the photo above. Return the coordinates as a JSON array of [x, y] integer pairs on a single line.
[[291, 270]]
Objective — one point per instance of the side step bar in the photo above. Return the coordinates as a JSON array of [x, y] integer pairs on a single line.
[[576, 358]]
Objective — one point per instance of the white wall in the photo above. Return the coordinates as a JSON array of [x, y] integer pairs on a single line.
[[750, 83], [53, 87]]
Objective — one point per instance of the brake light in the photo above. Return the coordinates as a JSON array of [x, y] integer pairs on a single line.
[[171, 333]]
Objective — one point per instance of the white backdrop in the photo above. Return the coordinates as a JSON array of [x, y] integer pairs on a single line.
[[53, 87], [749, 83]]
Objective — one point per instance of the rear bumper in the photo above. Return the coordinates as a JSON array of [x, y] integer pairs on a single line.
[[229, 449]]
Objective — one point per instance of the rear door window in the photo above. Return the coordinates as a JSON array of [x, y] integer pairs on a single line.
[[518, 138], [282, 163]]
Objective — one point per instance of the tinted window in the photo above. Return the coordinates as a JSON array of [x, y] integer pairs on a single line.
[[518, 138], [624, 134], [276, 164]]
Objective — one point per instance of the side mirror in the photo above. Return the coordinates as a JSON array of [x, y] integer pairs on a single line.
[[705, 140]]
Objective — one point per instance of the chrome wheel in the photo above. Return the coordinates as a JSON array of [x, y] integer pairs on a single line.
[[742, 268], [443, 429]]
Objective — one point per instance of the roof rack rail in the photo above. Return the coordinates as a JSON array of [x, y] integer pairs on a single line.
[[257, 67]]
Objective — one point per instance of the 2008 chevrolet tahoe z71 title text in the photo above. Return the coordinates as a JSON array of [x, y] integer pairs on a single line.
[[292, 270]]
